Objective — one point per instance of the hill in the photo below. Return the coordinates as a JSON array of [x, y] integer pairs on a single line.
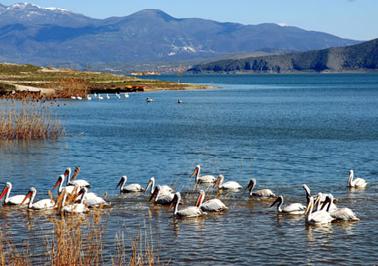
[[359, 57], [58, 37]]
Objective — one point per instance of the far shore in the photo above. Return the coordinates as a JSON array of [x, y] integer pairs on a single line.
[[33, 82]]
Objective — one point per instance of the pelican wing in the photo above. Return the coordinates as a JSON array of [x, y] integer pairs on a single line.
[[206, 179], [191, 211], [213, 205], [321, 217], [359, 182], [294, 208], [16, 200], [80, 182], [232, 185], [344, 214], [264, 193], [43, 204], [133, 188], [165, 199]]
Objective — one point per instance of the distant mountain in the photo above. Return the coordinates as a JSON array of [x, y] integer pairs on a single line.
[[52, 36], [359, 57]]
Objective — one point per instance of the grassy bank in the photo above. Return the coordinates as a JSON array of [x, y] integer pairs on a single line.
[[41, 82]]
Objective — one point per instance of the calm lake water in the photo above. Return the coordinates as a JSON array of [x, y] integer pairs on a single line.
[[284, 130]]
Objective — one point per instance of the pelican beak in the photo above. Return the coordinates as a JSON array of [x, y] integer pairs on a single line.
[[5, 190], [66, 173], [119, 183], [26, 197], [199, 200], [308, 207], [58, 182], [148, 185], [153, 195], [195, 172], [277, 199]]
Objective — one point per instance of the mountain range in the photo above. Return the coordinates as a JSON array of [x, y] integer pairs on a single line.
[[359, 57], [58, 37]]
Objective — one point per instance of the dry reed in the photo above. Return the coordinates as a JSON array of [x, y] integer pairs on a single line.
[[28, 120], [78, 240], [65, 88]]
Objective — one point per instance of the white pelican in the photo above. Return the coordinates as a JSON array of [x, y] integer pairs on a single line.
[[164, 198], [188, 212], [70, 178], [293, 208], [321, 201], [59, 184], [129, 188], [261, 193], [14, 200], [340, 214], [356, 183], [100, 97], [79, 98], [118, 96], [73, 97], [107, 96], [229, 185], [212, 205], [75, 207], [202, 179], [127, 95], [44, 204], [164, 189], [95, 95], [320, 198], [89, 97], [317, 217]]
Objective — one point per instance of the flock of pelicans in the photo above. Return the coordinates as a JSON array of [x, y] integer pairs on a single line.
[[101, 96], [74, 197]]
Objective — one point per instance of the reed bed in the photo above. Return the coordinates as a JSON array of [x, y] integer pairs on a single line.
[[78, 240], [28, 120], [65, 88]]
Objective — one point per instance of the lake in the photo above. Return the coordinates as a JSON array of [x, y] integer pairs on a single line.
[[283, 130]]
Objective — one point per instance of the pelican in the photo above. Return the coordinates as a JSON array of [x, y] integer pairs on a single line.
[[229, 185], [321, 197], [164, 189], [262, 193], [316, 217], [127, 95], [73, 97], [79, 98], [202, 179], [95, 95], [356, 183], [161, 198], [70, 181], [187, 212], [129, 188], [321, 200], [293, 208], [14, 200], [59, 184], [75, 207], [44, 204], [100, 97], [89, 97], [212, 205], [118, 96], [340, 214], [107, 96]]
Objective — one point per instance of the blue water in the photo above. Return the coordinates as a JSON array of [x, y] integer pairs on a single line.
[[284, 130]]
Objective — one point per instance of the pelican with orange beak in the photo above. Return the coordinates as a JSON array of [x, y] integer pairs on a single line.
[[14, 200], [292, 209], [317, 217], [202, 179], [212, 205], [59, 184], [44, 204]]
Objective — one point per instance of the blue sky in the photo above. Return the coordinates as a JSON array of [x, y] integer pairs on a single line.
[[355, 19]]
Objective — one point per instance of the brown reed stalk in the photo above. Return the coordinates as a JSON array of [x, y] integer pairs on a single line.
[[27, 121], [65, 88]]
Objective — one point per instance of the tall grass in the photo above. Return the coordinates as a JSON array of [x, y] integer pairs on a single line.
[[79, 241], [28, 120]]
